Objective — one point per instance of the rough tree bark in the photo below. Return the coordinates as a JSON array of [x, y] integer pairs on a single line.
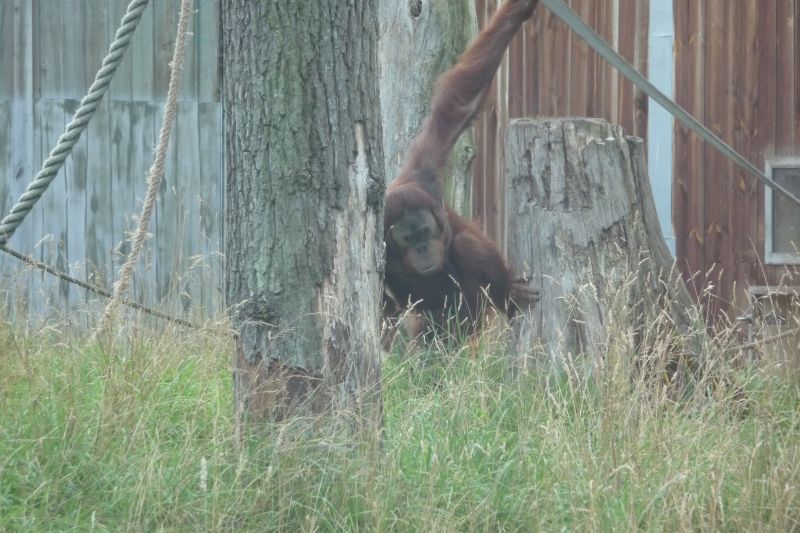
[[420, 40], [304, 199], [583, 224]]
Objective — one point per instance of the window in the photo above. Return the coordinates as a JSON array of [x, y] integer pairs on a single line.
[[782, 222]]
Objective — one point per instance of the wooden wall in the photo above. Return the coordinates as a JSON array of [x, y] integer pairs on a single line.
[[551, 72], [738, 71], [50, 51]]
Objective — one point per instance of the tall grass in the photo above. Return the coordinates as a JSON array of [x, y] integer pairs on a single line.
[[142, 439]]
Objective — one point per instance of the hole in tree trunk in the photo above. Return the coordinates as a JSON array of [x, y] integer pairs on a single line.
[[415, 6]]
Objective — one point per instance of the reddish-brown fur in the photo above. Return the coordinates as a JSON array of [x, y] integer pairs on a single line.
[[472, 266]]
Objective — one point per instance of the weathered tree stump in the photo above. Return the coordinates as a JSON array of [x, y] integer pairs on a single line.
[[582, 224]]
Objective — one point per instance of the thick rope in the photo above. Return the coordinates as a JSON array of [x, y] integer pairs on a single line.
[[156, 172], [95, 289], [89, 104]]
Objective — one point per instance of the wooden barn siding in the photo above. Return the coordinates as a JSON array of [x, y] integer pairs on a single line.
[[50, 51], [551, 72], [737, 70]]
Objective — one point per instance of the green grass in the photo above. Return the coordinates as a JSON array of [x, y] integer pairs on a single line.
[[143, 440]]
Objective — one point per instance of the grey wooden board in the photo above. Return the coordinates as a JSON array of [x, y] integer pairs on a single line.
[[141, 58], [6, 49], [72, 15], [208, 54], [211, 201], [49, 39], [21, 142], [188, 182], [7, 178], [80, 225], [99, 230], [6, 182]]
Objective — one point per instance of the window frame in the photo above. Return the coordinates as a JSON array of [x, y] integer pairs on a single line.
[[771, 257]]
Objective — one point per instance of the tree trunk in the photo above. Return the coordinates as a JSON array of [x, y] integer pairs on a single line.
[[583, 224], [420, 40], [304, 194]]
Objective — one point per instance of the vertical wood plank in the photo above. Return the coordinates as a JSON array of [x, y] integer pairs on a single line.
[[613, 77], [641, 36], [191, 75], [98, 231], [627, 32], [546, 53], [188, 183], [489, 220], [719, 97], [602, 25], [22, 151], [747, 113], [76, 199], [51, 210], [682, 174], [785, 78], [590, 16], [516, 75], [50, 44], [8, 266], [99, 228], [768, 110], [211, 198], [72, 15], [715, 95], [502, 90], [171, 224], [74, 87], [141, 57], [142, 131], [166, 22], [6, 50], [6, 158], [531, 31], [731, 246], [695, 176], [478, 126], [123, 191], [559, 90], [208, 51], [579, 80], [484, 11]]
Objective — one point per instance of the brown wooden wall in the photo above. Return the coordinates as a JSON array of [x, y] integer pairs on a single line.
[[736, 70], [551, 72]]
